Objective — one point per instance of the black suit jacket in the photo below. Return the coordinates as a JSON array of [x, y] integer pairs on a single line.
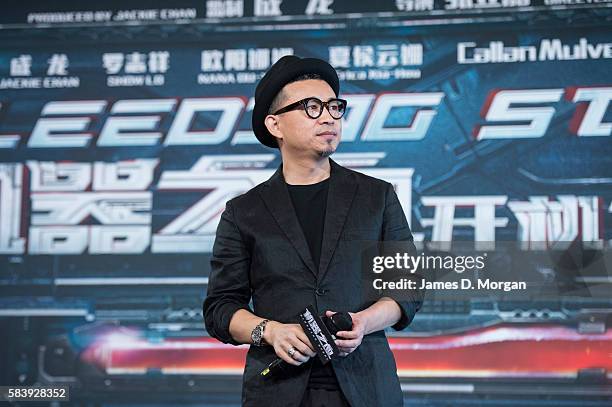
[[260, 253]]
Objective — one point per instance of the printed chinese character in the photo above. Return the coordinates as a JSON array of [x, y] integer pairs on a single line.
[[411, 54], [158, 61], [58, 65], [212, 60], [340, 56], [387, 56], [113, 62], [363, 55], [267, 8], [259, 58], [135, 62], [20, 66], [235, 59]]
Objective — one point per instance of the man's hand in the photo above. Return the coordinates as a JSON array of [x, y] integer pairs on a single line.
[[289, 341], [349, 340]]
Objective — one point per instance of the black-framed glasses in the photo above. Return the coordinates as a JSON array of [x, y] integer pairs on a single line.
[[314, 107]]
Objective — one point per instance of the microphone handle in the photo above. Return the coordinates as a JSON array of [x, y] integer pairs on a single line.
[[339, 321], [273, 368]]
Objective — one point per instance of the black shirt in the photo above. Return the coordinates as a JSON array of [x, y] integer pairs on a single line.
[[310, 203]]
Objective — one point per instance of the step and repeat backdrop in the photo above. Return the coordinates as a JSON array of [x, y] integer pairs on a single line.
[[124, 129]]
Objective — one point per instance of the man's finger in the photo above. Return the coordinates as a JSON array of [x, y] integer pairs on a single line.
[[303, 352], [348, 334], [284, 356], [347, 344], [299, 357], [304, 339]]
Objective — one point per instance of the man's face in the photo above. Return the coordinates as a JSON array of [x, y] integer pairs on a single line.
[[300, 134]]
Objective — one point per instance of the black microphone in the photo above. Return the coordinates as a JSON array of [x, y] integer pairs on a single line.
[[321, 332]]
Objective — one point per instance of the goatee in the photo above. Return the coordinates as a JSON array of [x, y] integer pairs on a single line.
[[327, 152]]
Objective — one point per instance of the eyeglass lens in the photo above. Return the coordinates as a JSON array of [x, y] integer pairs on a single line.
[[314, 108]]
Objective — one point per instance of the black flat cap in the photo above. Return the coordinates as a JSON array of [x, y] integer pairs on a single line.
[[281, 73]]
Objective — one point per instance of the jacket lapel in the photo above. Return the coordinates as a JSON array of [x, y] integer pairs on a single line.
[[276, 197], [342, 188]]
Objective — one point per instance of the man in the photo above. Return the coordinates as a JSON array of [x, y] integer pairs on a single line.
[[292, 241]]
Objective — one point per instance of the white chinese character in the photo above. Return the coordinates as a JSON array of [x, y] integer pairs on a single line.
[[278, 53], [545, 221], [58, 65], [259, 58], [340, 57], [234, 8], [267, 8], [21, 65], [235, 59], [113, 62], [484, 222], [224, 8], [411, 54], [215, 8], [158, 61], [387, 56], [363, 55], [135, 63], [414, 5], [211, 60], [319, 7]]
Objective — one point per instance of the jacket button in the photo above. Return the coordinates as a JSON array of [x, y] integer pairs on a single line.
[[320, 291]]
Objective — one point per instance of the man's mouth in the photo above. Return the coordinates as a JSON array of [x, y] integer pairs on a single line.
[[328, 134]]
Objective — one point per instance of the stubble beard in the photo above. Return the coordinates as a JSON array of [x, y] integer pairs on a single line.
[[328, 151]]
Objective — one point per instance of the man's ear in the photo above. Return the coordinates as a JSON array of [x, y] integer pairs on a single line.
[[271, 122]]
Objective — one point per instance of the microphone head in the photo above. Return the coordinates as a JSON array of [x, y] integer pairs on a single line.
[[340, 321]]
